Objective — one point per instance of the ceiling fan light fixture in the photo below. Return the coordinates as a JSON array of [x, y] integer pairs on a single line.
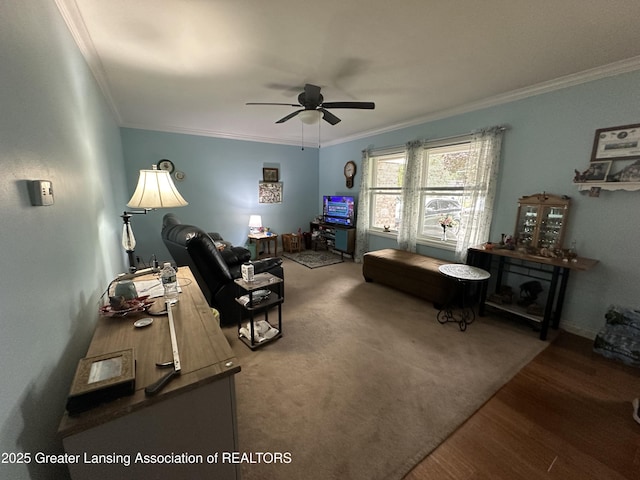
[[310, 116]]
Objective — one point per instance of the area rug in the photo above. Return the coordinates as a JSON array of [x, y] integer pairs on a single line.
[[314, 259], [364, 382]]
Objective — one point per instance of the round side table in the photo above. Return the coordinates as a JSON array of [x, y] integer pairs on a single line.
[[463, 274]]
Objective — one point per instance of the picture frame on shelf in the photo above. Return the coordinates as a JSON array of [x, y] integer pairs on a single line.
[[597, 171], [630, 173], [270, 175], [616, 143]]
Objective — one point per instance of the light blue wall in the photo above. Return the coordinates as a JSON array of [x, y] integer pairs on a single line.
[[221, 185], [55, 260], [551, 135]]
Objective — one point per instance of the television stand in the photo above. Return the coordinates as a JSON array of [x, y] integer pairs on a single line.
[[335, 237]]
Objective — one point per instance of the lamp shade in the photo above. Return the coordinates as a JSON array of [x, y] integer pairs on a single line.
[[255, 221], [310, 116], [156, 190]]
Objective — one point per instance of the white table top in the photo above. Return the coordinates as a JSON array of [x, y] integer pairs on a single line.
[[460, 271]]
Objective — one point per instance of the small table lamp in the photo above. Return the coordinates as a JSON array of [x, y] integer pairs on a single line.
[[255, 223], [155, 189]]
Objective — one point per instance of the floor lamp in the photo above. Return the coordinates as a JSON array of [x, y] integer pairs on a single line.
[[155, 190]]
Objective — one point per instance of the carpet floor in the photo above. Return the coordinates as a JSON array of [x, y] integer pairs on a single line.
[[364, 382]]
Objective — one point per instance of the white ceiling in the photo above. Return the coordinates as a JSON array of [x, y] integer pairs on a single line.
[[190, 66]]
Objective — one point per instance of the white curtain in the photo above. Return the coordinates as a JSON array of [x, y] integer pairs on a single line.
[[407, 233], [480, 189], [362, 222]]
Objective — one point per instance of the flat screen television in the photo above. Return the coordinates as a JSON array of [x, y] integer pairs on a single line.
[[339, 210]]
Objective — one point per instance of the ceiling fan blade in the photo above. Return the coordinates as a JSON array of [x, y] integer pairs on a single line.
[[290, 116], [267, 103], [329, 117], [312, 96], [361, 105]]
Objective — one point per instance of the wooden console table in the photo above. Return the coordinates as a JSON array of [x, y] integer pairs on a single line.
[[193, 417], [554, 270]]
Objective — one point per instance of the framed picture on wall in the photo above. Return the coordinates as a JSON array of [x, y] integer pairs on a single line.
[[617, 143], [270, 192], [270, 175]]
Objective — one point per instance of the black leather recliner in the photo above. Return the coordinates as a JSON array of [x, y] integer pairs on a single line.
[[214, 270]]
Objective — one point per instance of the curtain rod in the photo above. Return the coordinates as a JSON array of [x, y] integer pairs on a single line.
[[502, 128], [399, 148]]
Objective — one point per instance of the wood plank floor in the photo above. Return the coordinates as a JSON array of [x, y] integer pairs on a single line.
[[566, 415]]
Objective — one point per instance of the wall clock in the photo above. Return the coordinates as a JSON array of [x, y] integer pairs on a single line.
[[167, 165], [350, 172]]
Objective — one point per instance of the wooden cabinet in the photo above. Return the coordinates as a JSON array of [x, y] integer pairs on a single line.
[[172, 434], [541, 221]]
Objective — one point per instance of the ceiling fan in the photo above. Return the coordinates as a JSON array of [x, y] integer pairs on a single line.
[[312, 100]]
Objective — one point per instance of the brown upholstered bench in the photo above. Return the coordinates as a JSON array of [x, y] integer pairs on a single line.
[[410, 272]]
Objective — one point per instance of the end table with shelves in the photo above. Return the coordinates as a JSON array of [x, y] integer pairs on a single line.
[[253, 298]]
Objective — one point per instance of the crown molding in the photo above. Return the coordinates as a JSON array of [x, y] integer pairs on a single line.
[[604, 71], [215, 134], [75, 23], [610, 70]]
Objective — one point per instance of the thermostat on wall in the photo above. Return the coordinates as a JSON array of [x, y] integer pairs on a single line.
[[41, 192]]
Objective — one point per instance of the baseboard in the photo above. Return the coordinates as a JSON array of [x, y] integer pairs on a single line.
[[581, 332]]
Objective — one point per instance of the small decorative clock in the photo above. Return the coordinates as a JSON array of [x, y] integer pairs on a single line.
[[167, 165], [350, 172]]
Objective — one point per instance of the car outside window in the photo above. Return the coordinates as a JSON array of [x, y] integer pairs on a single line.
[[441, 192]]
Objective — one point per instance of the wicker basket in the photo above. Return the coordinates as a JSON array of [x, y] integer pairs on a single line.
[[291, 242]]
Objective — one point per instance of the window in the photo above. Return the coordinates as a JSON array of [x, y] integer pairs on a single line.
[[386, 195], [408, 190], [442, 176], [441, 190]]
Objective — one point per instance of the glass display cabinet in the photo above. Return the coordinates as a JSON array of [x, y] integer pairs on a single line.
[[541, 222]]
